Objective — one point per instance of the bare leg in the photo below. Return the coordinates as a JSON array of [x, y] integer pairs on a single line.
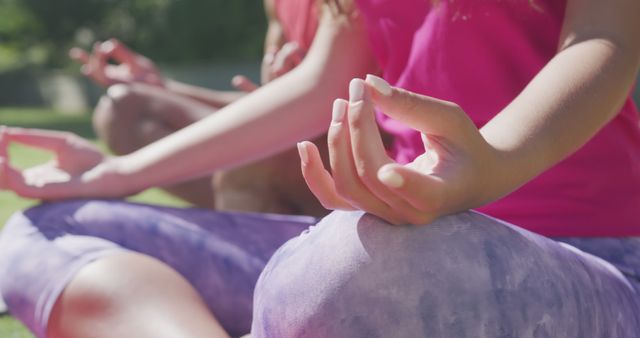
[[131, 295], [273, 185], [75, 259]]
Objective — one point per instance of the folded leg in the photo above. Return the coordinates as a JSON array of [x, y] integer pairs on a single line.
[[220, 255], [465, 275]]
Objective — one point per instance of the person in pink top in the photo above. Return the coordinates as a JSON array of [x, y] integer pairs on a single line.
[[517, 108], [482, 56], [142, 105]]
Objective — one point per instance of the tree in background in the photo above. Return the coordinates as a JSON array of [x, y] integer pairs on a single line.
[[39, 32]]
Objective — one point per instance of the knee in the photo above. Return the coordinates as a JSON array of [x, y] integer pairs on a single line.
[[110, 289], [115, 115], [358, 277], [93, 292]]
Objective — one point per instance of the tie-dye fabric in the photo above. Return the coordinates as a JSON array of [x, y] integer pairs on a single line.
[[352, 275], [466, 275], [220, 254]]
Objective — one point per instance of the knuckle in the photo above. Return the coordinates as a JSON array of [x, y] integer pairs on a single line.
[[345, 189], [365, 173], [357, 112], [452, 106], [456, 113], [334, 139], [411, 101]]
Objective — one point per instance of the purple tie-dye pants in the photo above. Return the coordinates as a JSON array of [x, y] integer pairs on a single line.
[[351, 275]]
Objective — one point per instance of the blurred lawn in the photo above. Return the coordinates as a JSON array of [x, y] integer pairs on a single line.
[[24, 157]]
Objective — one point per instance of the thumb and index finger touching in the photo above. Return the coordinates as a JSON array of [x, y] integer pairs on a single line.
[[110, 49], [12, 178], [243, 83], [48, 140], [424, 114]]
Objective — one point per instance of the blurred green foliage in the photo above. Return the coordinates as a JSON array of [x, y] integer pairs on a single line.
[[39, 32]]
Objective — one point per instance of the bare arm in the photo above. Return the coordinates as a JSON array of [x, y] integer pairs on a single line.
[[291, 108], [571, 98], [574, 95]]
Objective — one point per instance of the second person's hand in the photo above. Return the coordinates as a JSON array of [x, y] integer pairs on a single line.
[[131, 67], [79, 169]]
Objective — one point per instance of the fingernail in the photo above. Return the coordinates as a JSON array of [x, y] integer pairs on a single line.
[[356, 90], [304, 156], [379, 84], [339, 110], [390, 177]]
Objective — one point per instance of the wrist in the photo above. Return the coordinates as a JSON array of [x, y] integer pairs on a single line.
[[122, 178], [503, 175], [490, 178]]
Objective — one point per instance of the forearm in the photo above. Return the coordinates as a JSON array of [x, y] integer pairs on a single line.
[[244, 131], [292, 108], [214, 98], [575, 94]]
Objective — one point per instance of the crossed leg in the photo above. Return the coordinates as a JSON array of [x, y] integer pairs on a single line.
[[117, 269], [131, 295], [465, 275]]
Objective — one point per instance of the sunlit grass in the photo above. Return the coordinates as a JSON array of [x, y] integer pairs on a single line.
[[11, 328]]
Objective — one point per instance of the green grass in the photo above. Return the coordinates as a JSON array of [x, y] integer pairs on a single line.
[[25, 157], [11, 328]]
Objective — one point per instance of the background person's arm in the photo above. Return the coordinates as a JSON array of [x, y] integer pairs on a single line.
[[271, 119], [279, 58], [134, 68]]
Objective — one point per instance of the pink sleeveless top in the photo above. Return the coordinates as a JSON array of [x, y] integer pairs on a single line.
[[299, 20], [481, 54]]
